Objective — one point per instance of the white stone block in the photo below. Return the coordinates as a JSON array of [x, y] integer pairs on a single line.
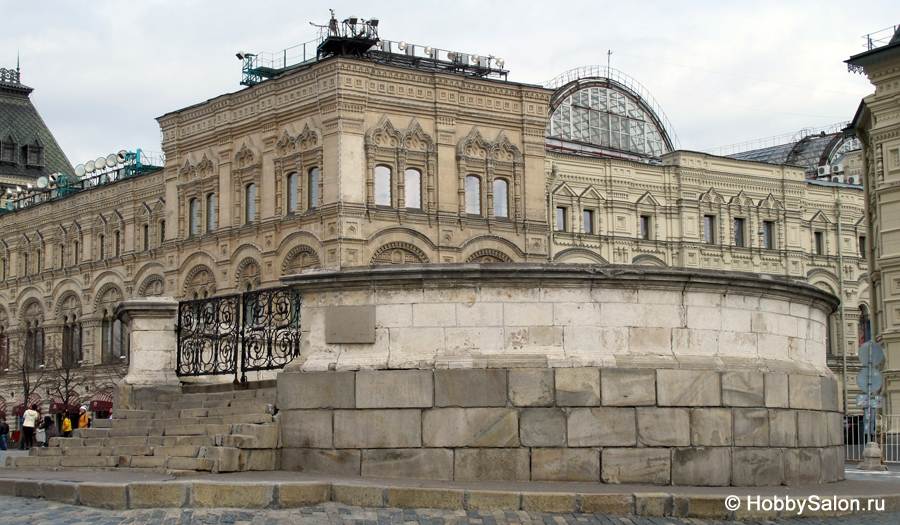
[[416, 340], [736, 320], [797, 349], [479, 314], [695, 342], [650, 341], [667, 297], [451, 295], [580, 294], [484, 338], [491, 294], [582, 340], [528, 314], [614, 295], [703, 299], [614, 340], [743, 302], [576, 314], [773, 346], [434, 314], [399, 297], [393, 315], [738, 344], [522, 337], [778, 306], [800, 310], [642, 315], [703, 318]]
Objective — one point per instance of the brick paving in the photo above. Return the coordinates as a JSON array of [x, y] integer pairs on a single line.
[[14, 511]]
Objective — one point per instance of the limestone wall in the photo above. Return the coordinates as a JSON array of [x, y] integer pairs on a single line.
[[499, 315], [562, 373], [667, 426]]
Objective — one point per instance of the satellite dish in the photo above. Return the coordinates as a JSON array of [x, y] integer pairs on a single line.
[[19, 190], [111, 160], [429, 50], [89, 166], [10, 206], [475, 59], [121, 156], [401, 46], [42, 182], [99, 163], [79, 170]]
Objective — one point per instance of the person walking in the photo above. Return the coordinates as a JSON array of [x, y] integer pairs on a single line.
[[50, 430], [66, 426], [84, 420], [29, 419], [4, 431]]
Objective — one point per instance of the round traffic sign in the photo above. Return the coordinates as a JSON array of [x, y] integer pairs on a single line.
[[870, 350], [869, 380]]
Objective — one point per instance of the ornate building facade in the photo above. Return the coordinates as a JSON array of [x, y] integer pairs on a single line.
[[354, 161]]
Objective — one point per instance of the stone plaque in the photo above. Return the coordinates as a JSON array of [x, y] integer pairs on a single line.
[[350, 324]]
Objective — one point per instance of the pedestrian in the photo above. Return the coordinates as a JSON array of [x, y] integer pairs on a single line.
[[67, 425], [50, 430], [29, 419], [4, 430], [84, 420]]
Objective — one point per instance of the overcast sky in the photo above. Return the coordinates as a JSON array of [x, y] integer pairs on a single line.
[[723, 72]]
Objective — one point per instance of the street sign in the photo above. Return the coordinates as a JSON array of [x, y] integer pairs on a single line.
[[869, 380], [867, 401], [871, 354]]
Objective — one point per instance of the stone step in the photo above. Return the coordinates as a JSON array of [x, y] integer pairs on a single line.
[[151, 409]]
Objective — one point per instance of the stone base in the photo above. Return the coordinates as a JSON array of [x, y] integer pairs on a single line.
[[660, 427]]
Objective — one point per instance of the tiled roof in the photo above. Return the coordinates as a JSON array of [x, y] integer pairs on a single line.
[[19, 117]]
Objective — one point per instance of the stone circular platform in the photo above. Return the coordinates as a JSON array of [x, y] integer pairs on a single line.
[[562, 372]]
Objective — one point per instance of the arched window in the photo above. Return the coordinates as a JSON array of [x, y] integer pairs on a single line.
[[250, 203], [34, 346], [501, 198], [383, 186], [864, 329], [473, 195], [413, 180], [115, 342], [146, 236], [292, 188], [4, 351], [102, 241], [312, 188], [211, 212], [193, 217], [72, 348]]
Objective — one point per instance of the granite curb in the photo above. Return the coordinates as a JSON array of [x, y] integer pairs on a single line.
[[294, 494]]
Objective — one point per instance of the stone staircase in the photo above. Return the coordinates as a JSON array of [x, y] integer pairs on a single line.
[[176, 433]]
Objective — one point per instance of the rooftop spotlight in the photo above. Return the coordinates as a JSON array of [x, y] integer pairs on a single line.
[[402, 46], [500, 63], [373, 22], [475, 58], [242, 55], [429, 51], [352, 20]]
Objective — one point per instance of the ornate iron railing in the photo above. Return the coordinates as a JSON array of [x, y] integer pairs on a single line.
[[236, 334], [209, 335], [270, 336]]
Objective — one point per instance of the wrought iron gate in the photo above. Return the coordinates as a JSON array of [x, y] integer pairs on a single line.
[[239, 333]]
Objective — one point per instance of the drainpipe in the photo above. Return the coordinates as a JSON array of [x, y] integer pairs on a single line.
[[841, 288], [550, 217]]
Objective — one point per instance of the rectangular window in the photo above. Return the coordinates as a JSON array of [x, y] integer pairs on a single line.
[[146, 232], [819, 241], [312, 188], [645, 227], [4, 353], [211, 212], [162, 232], [739, 232], [862, 246], [588, 221], [769, 235], [709, 229], [561, 219]]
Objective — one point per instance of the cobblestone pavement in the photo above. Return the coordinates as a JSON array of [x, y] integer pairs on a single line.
[[14, 511]]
